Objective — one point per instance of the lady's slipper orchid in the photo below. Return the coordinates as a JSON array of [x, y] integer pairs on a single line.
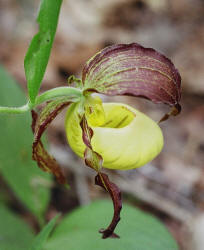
[[112, 135]]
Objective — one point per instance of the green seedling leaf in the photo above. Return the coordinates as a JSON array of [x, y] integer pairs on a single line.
[[42, 237], [30, 184], [138, 230], [130, 69], [40, 47], [15, 234]]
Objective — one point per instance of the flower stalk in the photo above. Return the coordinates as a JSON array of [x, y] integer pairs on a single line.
[[69, 93]]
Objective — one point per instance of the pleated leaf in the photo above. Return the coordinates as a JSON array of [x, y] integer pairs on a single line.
[[138, 230]]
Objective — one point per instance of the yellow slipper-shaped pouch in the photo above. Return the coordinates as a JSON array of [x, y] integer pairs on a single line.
[[126, 139]]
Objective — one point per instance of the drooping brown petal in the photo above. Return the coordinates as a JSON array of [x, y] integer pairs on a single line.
[[102, 180], [34, 120], [130, 69], [87, 132], [92, 158], [51, 110], [45, 161], [95, 161]]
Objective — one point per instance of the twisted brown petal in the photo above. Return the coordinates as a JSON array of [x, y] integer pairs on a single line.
[[102, 180], [44, 160], [95, 161], [92, 158]]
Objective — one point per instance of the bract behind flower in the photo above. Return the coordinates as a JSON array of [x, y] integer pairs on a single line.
[[127, 139]]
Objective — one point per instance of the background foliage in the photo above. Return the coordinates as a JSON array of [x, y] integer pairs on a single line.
[[171, 187], [27, 181]]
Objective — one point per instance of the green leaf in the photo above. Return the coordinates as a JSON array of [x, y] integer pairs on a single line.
[[138, 230], [42, 237], [40, 47], [28, 182], [15, 234]]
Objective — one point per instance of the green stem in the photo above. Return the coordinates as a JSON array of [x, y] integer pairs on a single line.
[[69, 92], [15, 110], [72, 94]]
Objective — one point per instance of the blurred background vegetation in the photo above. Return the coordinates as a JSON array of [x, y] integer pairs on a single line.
[[172, 186]]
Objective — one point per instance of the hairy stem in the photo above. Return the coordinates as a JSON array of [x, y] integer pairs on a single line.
[[15, 110], [72, 94], [69, 92]]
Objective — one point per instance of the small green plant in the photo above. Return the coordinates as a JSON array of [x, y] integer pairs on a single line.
[[106, 135]]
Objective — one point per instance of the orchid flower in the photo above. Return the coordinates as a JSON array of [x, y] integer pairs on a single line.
[[111, 135]]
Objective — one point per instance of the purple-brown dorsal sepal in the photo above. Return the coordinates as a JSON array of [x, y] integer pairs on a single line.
[[130, 69], [103, 181], [92, 159], [44, 160]]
